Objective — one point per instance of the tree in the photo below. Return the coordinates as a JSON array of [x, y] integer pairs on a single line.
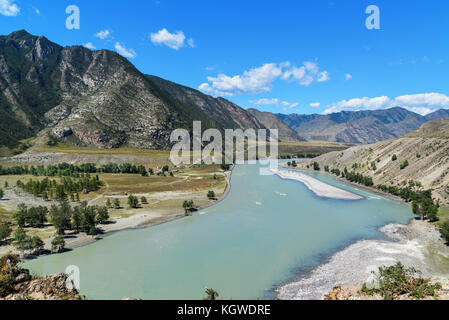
[[165, 169], [142, 171], [316, 166], [37, 243], [5, 231], [211, 294], [188, 206], [108, 203], [117, 204], [1, 194], [20, 215], [394, 157], [60, 217], [57, 244], [211, 194], [6, 185], [45, 196], [133, 201], [102, 215], [22, 241], [144, 200], [445, 231]]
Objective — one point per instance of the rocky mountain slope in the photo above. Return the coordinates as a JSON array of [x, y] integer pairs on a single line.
[[426, 151], [360, 127], [97, 98], [270, 120]]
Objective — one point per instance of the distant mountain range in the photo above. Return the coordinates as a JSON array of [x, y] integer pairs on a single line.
[[359, 127], [98, 98]]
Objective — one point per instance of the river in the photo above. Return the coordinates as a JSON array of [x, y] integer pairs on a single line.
[[265, 233]]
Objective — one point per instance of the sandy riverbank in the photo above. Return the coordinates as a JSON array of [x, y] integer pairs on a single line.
[[144, 219], [417, 245], [318, 187]]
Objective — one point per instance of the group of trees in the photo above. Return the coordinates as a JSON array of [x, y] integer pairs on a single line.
[[34, 217], [25, 243], [51, 189], [75, 171], [354, 177], [82, 218], [292, 164]]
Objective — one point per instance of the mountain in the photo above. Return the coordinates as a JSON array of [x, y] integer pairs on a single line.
[[426, 150], [359, 127], [270, 120], [97, 98]]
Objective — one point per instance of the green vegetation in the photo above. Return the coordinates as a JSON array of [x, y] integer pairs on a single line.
[[316, 166], [394, 157], [117, 204], [188, 207], [225, 167], [404, 164], [143, 200], [34, 217], [5, 231], [424, 207], [75, 171], [211, 194], [211, 294], [133, 202], [59, 191], [1, 194], [57, 244], [24, 243], [398, 280]]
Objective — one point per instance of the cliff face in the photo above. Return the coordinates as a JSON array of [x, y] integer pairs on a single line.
[[426, 150], [97, 98]]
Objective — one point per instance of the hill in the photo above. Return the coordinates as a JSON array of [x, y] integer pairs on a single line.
[[425, 150], [97, 98]]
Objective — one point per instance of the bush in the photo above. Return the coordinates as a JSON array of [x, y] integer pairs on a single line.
[[211, 194], [316, 166], [133, 201], [1, 194], [5, 231], [394, 157], [398, 280], [404, 164]]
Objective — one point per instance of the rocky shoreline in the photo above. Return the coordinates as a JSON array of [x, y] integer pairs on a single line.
[[417, 245]]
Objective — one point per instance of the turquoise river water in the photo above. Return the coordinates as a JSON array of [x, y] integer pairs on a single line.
[[265, 233]]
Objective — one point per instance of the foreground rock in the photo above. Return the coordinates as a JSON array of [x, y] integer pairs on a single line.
[[18, 284]]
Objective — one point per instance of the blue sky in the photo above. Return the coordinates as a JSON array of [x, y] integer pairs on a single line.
[[297, 56]]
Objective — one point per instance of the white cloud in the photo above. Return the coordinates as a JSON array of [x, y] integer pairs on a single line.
[[423, 103], [274, 102], [127, 53], [38, 12], [9, 8], [103, 34], [259, 79], [306, 74], [89, 45], [172, 40], [348, 76], [315, 105], [256, 80]]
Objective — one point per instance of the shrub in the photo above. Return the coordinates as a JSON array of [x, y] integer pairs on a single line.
[[398, 280], [404, 164], [211, 194], [316, 166], [394, 158]]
